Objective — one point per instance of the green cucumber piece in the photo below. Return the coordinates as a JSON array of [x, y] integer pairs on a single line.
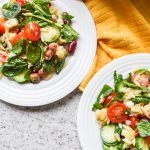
[[106, 147], [141, 144], [23, 76], [50, 34], [108, 134]]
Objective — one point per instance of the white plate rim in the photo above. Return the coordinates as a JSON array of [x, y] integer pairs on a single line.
[[73, 80], [81, 134]]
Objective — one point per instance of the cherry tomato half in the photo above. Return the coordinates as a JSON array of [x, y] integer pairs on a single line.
[[32, 31], [3, 58], [116, 112], [148, 140], [21, 2], [109, 98], [17, 37], [2, 27], [133, 121]]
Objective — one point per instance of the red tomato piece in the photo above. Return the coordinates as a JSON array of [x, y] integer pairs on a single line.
[[3, 58], [133, 121], [17, 37], [108, 98], [21, 2], [2, 27], [148, 140], [32, 31], [116, 112]]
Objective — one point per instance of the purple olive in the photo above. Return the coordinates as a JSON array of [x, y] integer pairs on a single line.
[[72, 47], [34, 77]]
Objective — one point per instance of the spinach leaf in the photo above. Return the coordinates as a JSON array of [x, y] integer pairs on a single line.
[[69, 33], [139, 99], [14, 67], [28, 7], [48, 64], [33, 52], [11, 10], [59, 65], [144, 128], [106, 90], [17, 49], [117, 80]]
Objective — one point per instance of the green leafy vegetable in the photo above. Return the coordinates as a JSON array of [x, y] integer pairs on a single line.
[[117, 80], [142, 71], [118, 130], [106, 90], [41, 18], [11, 10], [144, 128], [69, 33], [131, 85], [17, 49], [33, 52], [14, 67], [118, 97], [139, 99], [67, 18], [59, 65], [48, 64]]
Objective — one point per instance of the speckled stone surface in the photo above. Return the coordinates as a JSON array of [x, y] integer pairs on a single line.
[[50, 127]]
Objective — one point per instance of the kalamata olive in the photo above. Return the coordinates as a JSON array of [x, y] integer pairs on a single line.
[[49, 54], [53, 46], [34, 77], [41, 73], [72, 47]]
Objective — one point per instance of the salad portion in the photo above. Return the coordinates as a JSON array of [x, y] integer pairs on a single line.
[[35, 40], [123, 112]]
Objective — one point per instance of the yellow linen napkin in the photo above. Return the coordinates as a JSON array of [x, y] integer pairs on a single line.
[[123, 27]]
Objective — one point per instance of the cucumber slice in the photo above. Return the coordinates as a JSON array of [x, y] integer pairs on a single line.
[[50, 34], [106, 147], [141, 144], [108, 134], [23, 76]]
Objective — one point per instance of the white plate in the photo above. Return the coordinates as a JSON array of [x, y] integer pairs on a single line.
[[71, 76], [88, 128]]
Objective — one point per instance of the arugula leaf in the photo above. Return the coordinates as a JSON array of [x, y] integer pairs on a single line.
[[106, 90], [11, 10], [48, 64], [117, 80], [33, 52], [118, 130], [14, 67], [69, 33], [144, 128], [67, 18], [59, 65], [118, 97], [17, 49], [139, 99], [131, 85]]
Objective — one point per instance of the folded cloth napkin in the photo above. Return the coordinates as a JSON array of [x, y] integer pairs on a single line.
[[123, 27]]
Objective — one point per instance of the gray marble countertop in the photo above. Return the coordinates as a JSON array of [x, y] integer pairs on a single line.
[[49, 127]]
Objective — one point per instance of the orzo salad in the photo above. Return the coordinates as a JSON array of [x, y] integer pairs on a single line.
[[123, 112], [35, 40]]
